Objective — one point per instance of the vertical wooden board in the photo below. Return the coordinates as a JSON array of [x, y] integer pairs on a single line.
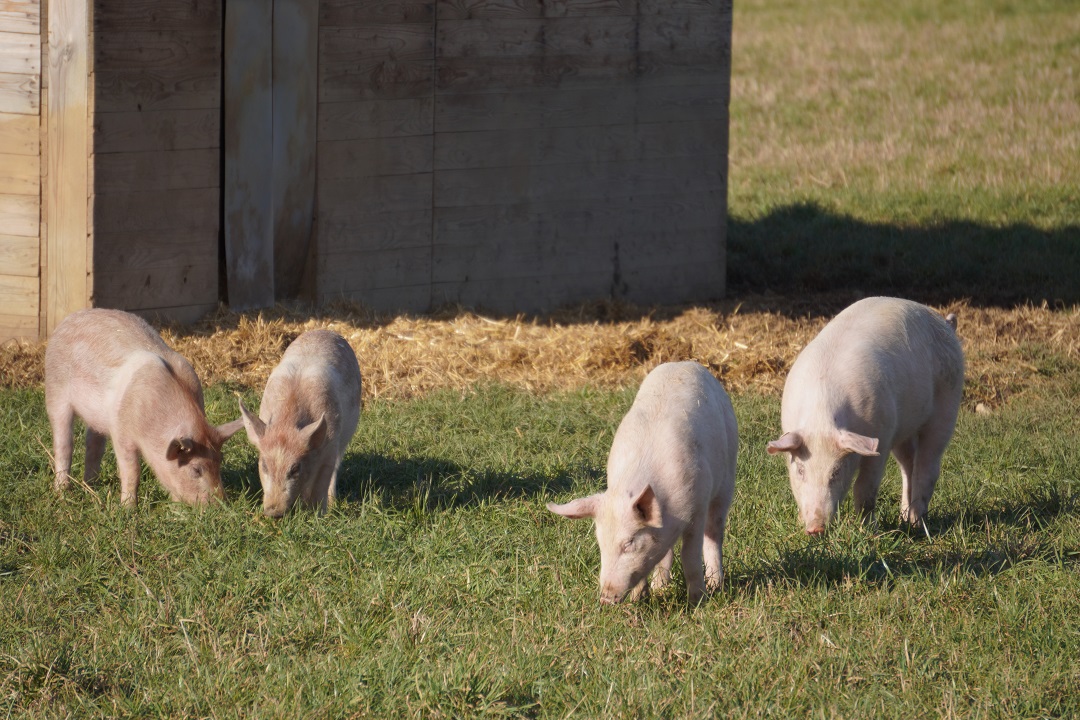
[[248, 192], [68, 138], [20, 134], [21, 16], [295, 71]]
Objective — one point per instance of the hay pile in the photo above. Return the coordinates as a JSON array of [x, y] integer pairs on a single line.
[[748, 344]]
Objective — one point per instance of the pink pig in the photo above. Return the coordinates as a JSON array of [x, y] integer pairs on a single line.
[[309, 412], [884, 375], [114, 371], [671, 475]]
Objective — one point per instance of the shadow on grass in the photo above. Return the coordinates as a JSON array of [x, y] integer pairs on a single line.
[[804, 248], [414, 482], [899, 551]]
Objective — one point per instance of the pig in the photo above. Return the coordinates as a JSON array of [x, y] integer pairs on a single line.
[[885, 375], [671, 475], [310, 409], [114, 371]]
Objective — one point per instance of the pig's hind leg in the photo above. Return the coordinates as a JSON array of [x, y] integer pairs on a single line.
[[713, 544], [691, 556], [62, 421]]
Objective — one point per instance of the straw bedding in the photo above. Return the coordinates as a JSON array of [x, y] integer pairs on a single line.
[[748, 343]]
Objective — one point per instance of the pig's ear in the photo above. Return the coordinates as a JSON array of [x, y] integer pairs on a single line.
[[254, 426], [788, 442], [854, 443], [647, 507], [226, 431], [178, 447], [316, 433], [577, 509]]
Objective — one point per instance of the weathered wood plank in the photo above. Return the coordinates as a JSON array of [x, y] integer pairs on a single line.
[[353, 272], [154, 15], [249, 240], [181, 314], [135, 251], [21, 16], [388, 193], [600, 181], [508, 38], [376, 118], [412, 298], [19, 215], [473, 9], [191, 283], [506, 295], [19, 255], [20, 134], [295, 101], [20, 53], [380, 156], [21, 175], [18, 327], [364, 12], [348, 229], [122, 49], [20, 93], [157, 130], [155, 170], [563, 145], [191, 210], [182, 87], [375, 61], [579, 107], [19, 296]]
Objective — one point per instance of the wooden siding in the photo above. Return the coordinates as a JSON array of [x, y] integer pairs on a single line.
[[20, 158], [519, 154], [154, 170], [374, 152]]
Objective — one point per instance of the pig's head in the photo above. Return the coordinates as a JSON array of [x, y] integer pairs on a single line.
[[629, 531], [286, 457], [192, 469], [821, 467]]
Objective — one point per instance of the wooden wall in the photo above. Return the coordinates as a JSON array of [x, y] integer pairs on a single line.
[[155, 165], [519, 154], [20, 157]]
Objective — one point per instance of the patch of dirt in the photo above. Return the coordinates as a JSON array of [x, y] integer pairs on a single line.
[[749, 343]]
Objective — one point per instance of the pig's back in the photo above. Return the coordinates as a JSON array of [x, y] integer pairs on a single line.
[[875, 350], [319, 369], [681, 421]]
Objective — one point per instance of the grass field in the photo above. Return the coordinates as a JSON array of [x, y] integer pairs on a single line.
[[921, 148]]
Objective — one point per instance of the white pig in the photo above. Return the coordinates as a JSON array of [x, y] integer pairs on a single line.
[[884, 375], [671, 474], [114, 371], [309, 412]]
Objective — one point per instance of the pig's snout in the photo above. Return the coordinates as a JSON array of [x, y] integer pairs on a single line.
[[274, 511], [610, 596], [815, 530]]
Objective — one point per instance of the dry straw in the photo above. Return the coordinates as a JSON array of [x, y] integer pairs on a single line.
[[748, 344]]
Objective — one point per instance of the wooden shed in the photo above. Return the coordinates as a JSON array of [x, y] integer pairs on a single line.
[[162, 156]]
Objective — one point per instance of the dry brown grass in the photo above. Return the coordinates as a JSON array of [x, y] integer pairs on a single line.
[[748, 344]]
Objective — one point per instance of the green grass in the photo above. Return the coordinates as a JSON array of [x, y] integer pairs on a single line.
[[921, 148], [441, 586]]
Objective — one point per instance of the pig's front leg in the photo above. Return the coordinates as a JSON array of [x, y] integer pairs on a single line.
[[865, 491], [662, 575], [95, 449]]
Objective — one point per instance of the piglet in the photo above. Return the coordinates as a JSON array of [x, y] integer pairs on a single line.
[[309, 412], [671, 475], [884, 375], [114, 371]]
